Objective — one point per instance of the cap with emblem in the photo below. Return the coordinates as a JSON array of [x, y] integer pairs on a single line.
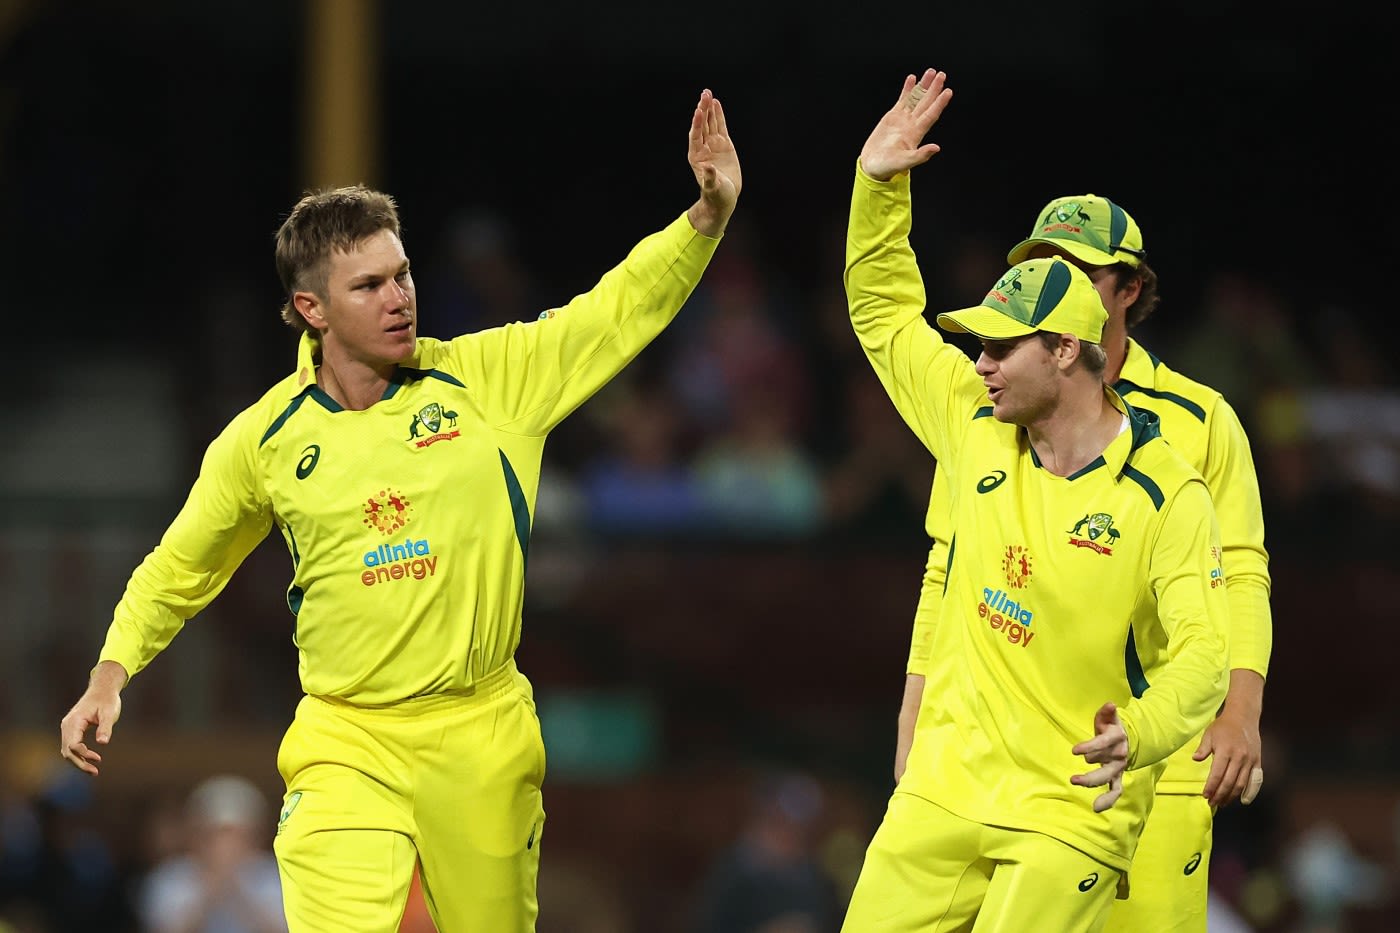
[[1038, 294], [1089, 228]]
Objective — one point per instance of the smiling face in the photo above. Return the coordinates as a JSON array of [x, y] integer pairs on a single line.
[[369, 310], [1022, 378]]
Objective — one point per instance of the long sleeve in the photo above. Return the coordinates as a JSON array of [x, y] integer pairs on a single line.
[[223, 519], [939, 527], [1187, 691], [1234, 486], [932, 384], [536, 373]]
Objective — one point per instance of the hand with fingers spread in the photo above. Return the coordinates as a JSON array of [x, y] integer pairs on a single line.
[[1237, 763], [100, 706], [716, 165], [1109, 750], [896, 144]]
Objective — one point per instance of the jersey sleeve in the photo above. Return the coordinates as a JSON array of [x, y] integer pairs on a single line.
[[1234, 485], [939, 526], [225, 516], [932, 384], [1189, 688], [532, 375]]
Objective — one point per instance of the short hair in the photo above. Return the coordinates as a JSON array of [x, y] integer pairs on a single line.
[[1147, 299], [322, 222], [1093, 355]]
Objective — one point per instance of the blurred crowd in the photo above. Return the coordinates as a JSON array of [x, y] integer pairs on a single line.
[[756, 414], [754, 422]]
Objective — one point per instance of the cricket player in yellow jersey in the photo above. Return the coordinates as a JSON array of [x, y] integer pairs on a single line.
[[1170, 870], [1084, 618], [402, 473]]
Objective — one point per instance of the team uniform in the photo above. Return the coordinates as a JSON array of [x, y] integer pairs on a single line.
[[1170, 870], [408, 526], [1062, 593]]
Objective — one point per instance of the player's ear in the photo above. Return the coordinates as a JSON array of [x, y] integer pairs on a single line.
[[1128, 292], [1067, 351], [309, 306]]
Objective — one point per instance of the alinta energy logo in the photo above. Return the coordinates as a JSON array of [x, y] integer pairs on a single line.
[[411, 559], [1097, 525], [437, 421], [1017, 564], [1007, 616], [387, 511]]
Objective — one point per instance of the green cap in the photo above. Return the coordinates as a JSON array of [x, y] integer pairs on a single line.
[[1038, 294], [1088, 227]]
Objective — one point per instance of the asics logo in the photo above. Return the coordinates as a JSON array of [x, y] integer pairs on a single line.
[[307, 463], [991, 481], [1192, 865], [1089, 882]]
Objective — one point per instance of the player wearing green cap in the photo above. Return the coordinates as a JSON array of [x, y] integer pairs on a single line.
[[1170, 870], [1083, 573]]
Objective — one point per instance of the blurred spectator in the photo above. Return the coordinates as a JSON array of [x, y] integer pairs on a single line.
[[57, 874], [757, 481], [1356, 418], [479, 281], [1328, 878], [227, 881], [878, 485], [1265, 350], [730, 346], [772, 880], [580, 895], [640, 483]]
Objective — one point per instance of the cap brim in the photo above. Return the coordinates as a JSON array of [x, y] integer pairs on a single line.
[[1083, 252], [984, 322]]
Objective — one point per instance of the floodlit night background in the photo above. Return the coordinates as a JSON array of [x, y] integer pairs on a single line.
[[727, 651]]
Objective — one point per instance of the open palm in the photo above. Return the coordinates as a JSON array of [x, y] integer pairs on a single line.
[[896, 144], [712, 155]]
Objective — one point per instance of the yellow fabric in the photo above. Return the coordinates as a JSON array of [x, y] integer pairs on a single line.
[[407, 523], [1171, 870], [1059, 588], [1197, 421], [452, 780], [937, 525], [930, 871]]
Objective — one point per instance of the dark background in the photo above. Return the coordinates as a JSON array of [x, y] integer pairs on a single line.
[[148, 152]]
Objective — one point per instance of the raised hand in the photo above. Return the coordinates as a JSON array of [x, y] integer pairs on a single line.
[[715, 163], [1108, 749], [896, 145]]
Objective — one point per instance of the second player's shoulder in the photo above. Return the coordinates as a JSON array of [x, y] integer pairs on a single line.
[[1147, 375], [1152, 463]]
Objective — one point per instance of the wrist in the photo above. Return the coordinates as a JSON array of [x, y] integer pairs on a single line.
[[707, 219], [108, 675]]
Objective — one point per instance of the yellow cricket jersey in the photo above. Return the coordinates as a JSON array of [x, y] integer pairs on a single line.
[[1062, 592], [408, 523], [1198, 422]]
